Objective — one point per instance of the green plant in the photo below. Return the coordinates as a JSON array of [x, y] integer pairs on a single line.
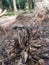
[[31, 4], [20, 4], [7, 4]]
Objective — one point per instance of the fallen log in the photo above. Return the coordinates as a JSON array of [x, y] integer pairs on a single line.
[[7, 22]]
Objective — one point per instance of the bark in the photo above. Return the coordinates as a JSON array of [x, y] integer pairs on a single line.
[[14, 5]]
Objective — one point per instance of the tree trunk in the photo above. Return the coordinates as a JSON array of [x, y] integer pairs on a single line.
[[14, 5]]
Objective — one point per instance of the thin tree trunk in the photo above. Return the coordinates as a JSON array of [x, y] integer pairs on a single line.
[[14, 5]]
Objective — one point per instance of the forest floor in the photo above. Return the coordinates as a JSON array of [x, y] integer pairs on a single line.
[[24, 39]]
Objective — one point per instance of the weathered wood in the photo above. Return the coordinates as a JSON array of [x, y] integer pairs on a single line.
[[7, 22], [1, 14]]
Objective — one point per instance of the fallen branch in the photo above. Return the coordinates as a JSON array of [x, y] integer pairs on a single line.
[[1, 14]]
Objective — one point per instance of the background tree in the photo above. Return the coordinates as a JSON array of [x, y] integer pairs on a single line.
[[11, 5], [20, 4], [6, 4], [14, 5], [31, 4]]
